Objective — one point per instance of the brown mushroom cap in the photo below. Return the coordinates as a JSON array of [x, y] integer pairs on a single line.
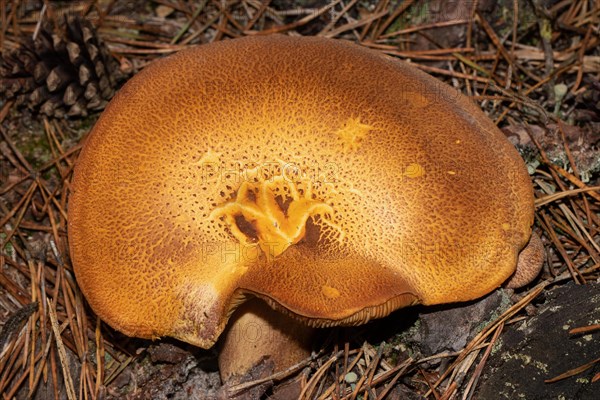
[[334, 182]]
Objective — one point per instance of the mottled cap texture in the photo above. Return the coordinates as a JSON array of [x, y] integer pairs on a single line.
[[334, 182]]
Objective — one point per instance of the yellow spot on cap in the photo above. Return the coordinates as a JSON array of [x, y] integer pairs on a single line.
[[352, 133], [418, 100], [506, 226], [414, 170], [458, 141], [330, 292], [451, 172], [210, 157], [182, 218]]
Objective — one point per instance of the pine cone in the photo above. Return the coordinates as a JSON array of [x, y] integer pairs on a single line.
[[61, 75]]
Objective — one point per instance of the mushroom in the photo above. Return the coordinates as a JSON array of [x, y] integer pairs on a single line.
[[305, 182]]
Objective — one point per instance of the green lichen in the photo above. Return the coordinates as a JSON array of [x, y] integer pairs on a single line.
[[505, 304], [497, 346], [526, 360]]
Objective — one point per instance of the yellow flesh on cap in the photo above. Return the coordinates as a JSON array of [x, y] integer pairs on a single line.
[[334, 182]]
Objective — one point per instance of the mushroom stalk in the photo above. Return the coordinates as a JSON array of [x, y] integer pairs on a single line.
[[260, 341]]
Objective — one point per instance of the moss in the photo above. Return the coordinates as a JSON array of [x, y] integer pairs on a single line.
[[33, 145], [31, 139], [9, 250], [416, 14]]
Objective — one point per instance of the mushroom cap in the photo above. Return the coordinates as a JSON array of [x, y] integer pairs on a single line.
[[336, 183]]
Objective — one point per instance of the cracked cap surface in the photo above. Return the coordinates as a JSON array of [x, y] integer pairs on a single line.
[[334, 182]]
